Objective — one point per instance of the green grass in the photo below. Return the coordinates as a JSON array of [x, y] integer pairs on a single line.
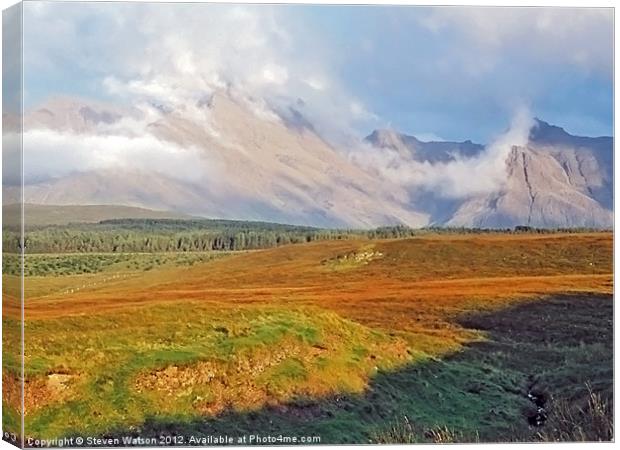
[[354, 388], [478, 394], [115, 363], [288, 372], [51, 265], [249, 358]]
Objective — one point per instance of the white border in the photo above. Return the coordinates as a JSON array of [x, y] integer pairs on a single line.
[[565, 3]]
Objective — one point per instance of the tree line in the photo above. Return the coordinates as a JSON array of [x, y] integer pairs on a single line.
[[127, 236], [171, 235]]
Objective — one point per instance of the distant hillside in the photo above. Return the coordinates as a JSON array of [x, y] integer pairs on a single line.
[[232, 160], [38, 215], [555, 180], [227, 162], [411, 147]]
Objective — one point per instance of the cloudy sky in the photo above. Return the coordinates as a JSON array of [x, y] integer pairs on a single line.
[[439, 73]]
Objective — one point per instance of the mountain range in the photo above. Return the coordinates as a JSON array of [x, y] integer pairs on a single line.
[[556, 180], [224, 157]]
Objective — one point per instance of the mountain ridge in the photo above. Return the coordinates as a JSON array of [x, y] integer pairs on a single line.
[[41, 215], [233, 159], [555, 180], [252, 167]]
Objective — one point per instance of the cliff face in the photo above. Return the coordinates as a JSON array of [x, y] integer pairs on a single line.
[[222, 158], [556, 180], [540, 191], [228, 158]]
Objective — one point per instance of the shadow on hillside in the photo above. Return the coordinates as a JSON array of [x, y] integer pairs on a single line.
[[553, 346]]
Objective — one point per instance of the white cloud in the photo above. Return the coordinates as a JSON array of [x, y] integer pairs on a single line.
[[460, 178], [175, 53], [316, 83], [581, 37], [273, 73], [358, 110], [428, 137], [52, 154]]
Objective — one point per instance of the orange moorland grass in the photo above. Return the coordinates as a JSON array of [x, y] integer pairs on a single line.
[[409, 289], [452, 271], [415, 285]]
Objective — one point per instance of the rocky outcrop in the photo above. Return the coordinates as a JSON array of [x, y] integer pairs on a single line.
[[232, 158], [538, 192], [247, 163], [556, 180]]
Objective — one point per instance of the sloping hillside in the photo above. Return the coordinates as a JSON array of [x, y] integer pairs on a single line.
[[36, 215]]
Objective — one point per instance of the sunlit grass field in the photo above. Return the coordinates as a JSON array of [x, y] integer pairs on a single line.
[[307, 334]]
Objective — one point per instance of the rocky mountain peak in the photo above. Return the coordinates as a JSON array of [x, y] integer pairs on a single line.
[[250, 160], [386, 138], [543, 131]]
